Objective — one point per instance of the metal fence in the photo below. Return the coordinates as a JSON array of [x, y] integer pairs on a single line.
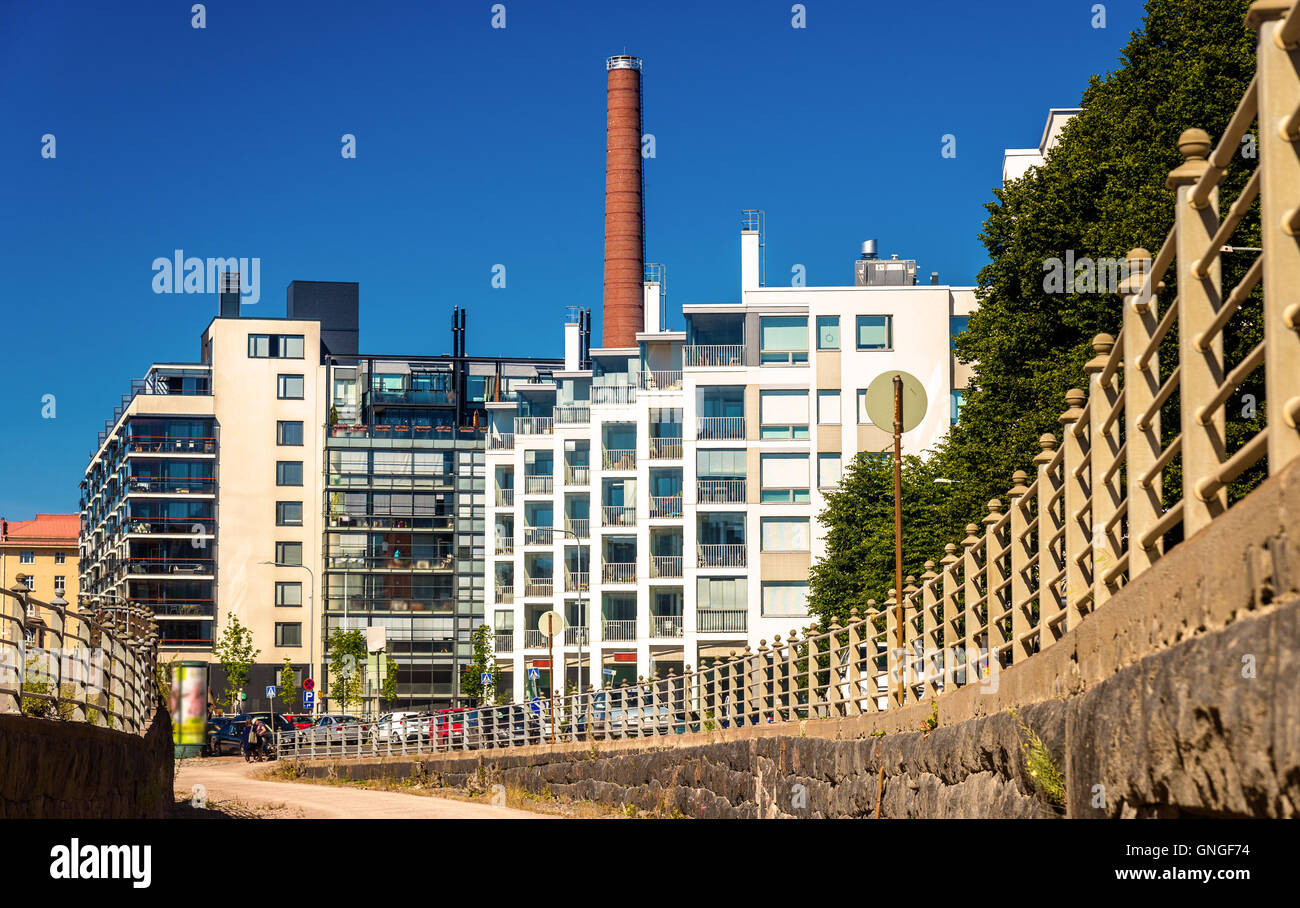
[[59, 662]]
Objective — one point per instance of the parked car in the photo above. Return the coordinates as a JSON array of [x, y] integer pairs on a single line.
[[301, 720], [398, 726], [280, 724], [225, 736]]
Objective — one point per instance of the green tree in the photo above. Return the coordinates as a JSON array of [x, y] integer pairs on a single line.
[[346, 654], [234, 650], [288, 686], [483, 660], [388, 690], [1100, 193]]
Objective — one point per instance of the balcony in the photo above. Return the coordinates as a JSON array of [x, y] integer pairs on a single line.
[[721, 491], [613, 394], [577, 581], [713, 355], [536, 587], [619, 631], [505, 545], [618, 572], [572, 416], [579, 527], [576, 636], [190, 566], [501, 442], [539, 485], [722, 621], [503, 643], [657, 380], [172, 485], [618, 516], [343, 560], [665, 449], [665, 507], [577, 474], [505, 595], [666, 565], [722, 556], [666, 626], [534, 425], [720, 428], [619, 458], [539, 535], [534, 640], [505, 498]]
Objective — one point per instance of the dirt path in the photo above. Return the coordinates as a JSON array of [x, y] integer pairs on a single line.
[[229, 780]]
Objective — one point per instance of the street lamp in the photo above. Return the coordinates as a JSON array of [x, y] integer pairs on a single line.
[[311, 617], [583, 624]]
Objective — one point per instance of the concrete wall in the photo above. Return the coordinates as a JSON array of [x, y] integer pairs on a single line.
[[70, 770]]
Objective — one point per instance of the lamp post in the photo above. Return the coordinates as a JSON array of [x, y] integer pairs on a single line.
[[582, 629], [311, 619]]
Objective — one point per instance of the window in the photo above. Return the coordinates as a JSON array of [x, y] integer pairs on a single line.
[[828, 332], [288, 594], [875, 332], [783, 341], [288, 553], [828, 408], [288, 513], [29, 581], [288, 472], [275, 346], [785, 534], [958, 399], [290, 387], [721, 593], [288, 634], [288, 433], [59, 586], [784, 478], [783, 414], [26, 558], [60, 558], [863, 418], [785, 599], [957, 324], [828, 470]]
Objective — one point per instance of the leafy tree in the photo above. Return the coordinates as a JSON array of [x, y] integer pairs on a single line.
[[388, 690], [1100, 193], [235, 651], [484, 660], [347, 654], [288, 685]]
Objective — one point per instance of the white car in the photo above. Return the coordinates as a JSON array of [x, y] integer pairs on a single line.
[[401, 726]]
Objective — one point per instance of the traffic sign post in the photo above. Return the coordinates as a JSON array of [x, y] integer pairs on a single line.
[[309, 700], [551, 624]]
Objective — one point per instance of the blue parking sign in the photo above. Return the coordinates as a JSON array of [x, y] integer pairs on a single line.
[[308, 699]]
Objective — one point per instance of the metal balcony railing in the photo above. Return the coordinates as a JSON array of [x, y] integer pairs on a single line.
[[577, 474], [572, 416], [713, 355], [534, 425], [666, 625], [574, 636], [503, 643], [618, 516], [618, 631], [613, 394], [723, 556], [539, 535], [505, 545], [505, 498], [619, 458], [539, 485], [660, 380], [501, 441], [577, 581], [618, 572], [666, 565], [505, 595], [665, 507], [666, 448], [538, 586], [720, 428], [534, 639], [720, 491], [721, 621], [578, 526]]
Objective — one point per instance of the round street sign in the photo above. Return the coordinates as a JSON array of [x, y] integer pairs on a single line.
[[551, 623], [880, 401], [308, 684]]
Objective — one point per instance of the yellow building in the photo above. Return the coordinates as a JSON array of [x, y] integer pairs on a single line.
[[43, 550]]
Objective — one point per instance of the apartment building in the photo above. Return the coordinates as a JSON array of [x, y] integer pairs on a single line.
[[663, 495], [43, 552]]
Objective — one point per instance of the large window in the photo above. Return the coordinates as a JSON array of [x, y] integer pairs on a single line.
[[288, 473], [783, 414], [829, 467], [957, 324], [288, 513], [784, 478], [875, 332], [288, 594], [714, 593], [785, 534], [785, 599], [290, 387], [288, 553], [783, 341], [828, 332], [828, 408], [275, 346], [288, 634], [288, 432]]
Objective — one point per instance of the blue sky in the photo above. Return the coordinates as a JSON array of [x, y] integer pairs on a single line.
[[475, 147]]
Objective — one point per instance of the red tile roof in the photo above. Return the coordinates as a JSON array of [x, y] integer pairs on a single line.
[[55, 528]]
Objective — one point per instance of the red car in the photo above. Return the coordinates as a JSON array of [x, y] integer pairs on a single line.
[[448, 722], [300, 720]]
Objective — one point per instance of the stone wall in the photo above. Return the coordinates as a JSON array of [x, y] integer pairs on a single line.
[[71, 770]]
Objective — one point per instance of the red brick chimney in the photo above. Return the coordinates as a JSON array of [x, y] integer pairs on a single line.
[[624, 243]]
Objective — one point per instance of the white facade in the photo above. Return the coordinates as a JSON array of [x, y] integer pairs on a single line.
[[765, 395], [1017, 161]]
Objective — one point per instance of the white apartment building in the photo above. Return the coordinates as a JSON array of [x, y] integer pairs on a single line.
[[1017, 161], [664, 497]]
